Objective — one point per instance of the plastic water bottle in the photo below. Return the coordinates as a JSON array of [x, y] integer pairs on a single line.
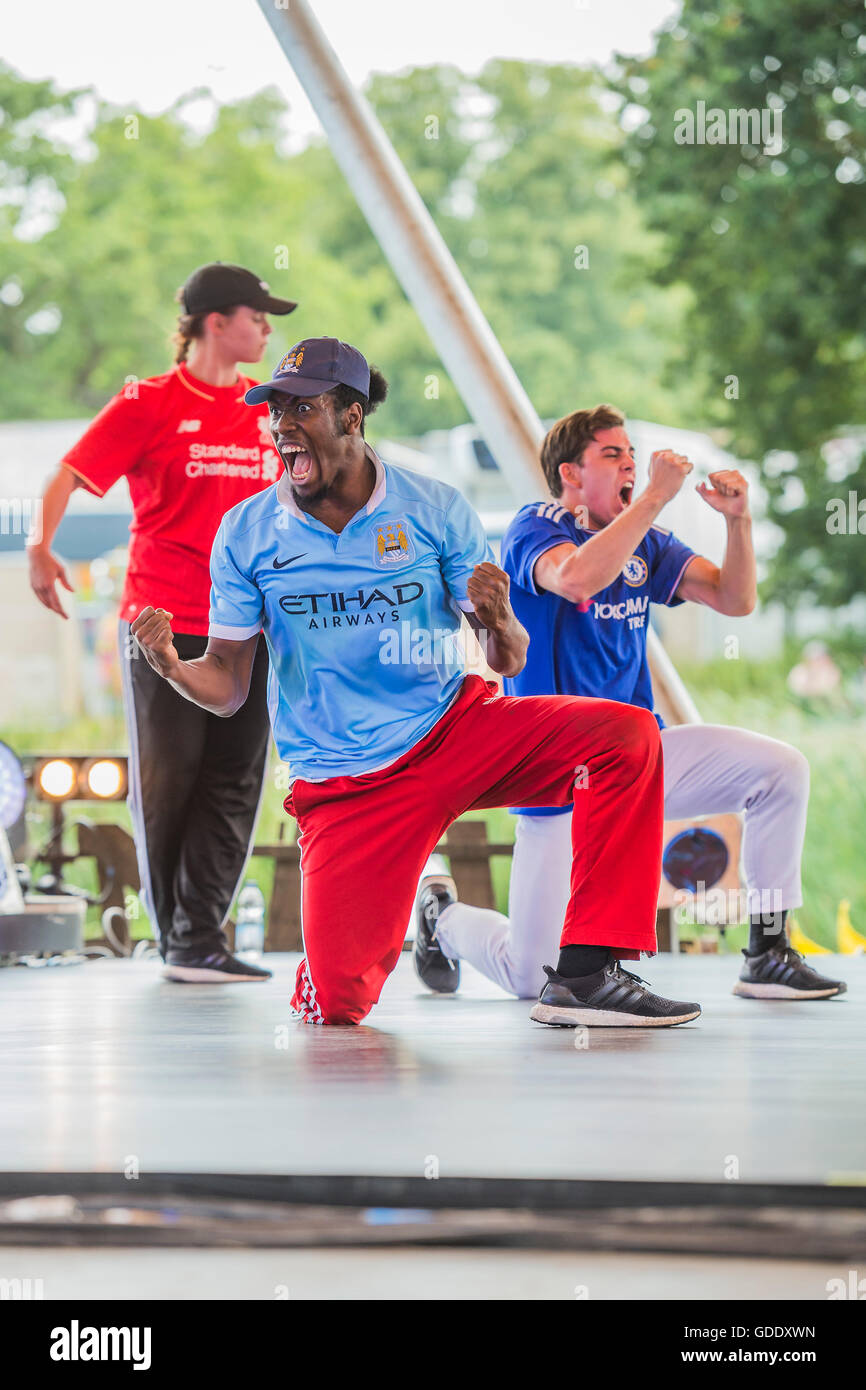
[[250, 926]]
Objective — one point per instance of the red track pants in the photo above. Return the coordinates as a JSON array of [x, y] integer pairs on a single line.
[[364, 840]]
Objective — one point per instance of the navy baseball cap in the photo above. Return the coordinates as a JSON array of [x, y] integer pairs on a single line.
[[313, 366]]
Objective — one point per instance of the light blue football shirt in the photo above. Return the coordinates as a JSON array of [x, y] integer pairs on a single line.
[[362, 626]]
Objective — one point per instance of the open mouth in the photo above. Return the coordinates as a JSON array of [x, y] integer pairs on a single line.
[[625, 493], [298, 461]]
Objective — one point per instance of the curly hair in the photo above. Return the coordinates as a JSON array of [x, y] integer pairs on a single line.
[[344, 396]]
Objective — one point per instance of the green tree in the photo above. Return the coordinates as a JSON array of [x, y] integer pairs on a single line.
[[558, 249], [518, 167], [520, 170], [35, 169], [157, 198], [770, 244]]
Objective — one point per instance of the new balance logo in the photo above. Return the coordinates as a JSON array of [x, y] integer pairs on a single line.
[[189, 426]]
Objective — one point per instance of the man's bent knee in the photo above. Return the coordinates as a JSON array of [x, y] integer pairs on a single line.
[[793, 768], [344, 1001], [638, 735]]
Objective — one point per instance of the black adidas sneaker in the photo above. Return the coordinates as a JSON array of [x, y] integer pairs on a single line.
[[433, 968], [194, 967], [610, 998], [782, 973]]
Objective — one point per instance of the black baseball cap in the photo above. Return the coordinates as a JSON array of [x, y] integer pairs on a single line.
[[221, 286], [313, 366]]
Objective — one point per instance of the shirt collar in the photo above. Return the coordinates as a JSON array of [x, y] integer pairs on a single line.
[[204, 389], [377, 496]]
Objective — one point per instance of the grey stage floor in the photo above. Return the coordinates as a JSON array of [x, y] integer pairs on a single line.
[[106, 1065], [398, 1274]]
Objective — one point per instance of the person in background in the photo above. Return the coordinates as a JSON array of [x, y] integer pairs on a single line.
[[190, 449]]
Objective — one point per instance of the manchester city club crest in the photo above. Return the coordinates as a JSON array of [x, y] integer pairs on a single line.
[[292, 361], [391, 543], [634, 571]]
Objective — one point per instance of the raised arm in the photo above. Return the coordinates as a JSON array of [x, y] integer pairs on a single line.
[[577, 572], [46, 571], [219, 681], [733, 588]]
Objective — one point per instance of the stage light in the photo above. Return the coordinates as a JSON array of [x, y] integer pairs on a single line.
[[104, 778], [61, 780], [57, 779], [77, 777]]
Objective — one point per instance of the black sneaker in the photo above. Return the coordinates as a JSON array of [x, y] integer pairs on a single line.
[[610, 998], [782, 973], [216, 968], [433, 968]]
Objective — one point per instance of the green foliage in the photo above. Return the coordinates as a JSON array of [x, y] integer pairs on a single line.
[[771, 247], [29, 154], [518, 167], [553, 182]]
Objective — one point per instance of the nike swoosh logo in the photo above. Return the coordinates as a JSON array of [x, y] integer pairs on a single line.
[[281, 564]]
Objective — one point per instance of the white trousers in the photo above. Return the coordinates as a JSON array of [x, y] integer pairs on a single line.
[[709, 769]]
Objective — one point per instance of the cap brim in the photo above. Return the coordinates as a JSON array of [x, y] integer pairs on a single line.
[[278, 306], [288, 386]]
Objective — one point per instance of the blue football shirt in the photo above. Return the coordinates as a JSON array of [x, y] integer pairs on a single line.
[[362, 626], [599, 652]]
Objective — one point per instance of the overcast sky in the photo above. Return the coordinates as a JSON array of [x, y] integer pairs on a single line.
[[148, 54]]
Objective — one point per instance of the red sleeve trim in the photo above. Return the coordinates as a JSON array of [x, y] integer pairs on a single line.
[[88, 482]]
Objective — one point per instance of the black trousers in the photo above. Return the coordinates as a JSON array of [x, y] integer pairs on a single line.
[[195, 783]]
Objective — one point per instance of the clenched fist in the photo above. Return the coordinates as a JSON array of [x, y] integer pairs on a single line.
[[488, 589], [729, 493], [152, 632], [667, 473]]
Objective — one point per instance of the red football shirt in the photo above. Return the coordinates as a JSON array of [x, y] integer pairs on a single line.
[[190, 451]]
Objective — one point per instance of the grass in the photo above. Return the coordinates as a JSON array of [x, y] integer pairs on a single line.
[[751, 694]]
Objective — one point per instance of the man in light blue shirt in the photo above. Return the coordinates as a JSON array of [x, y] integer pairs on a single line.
[[330, 603], [357, 573]]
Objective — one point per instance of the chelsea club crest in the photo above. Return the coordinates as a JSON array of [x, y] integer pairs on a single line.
[[391, 543], [634, 571]]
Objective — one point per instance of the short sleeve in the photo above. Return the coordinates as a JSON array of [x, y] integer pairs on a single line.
[[112, 445], [236, 608], [533, 531], [670, 560], [464, 546]]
